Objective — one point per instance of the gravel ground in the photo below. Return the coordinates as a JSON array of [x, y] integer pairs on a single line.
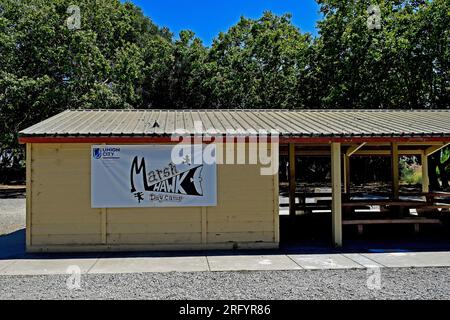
[[12, 215], [424, 283], [421, 283]]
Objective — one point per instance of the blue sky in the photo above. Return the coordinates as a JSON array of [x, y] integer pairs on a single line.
[[208, 17]]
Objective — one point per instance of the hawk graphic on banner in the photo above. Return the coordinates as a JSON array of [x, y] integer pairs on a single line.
[[168, 180]]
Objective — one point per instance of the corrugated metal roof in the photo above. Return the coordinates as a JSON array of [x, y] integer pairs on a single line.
[[301, 123]]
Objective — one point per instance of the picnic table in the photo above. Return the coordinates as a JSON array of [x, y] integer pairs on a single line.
[[399, 210], [391, 211]]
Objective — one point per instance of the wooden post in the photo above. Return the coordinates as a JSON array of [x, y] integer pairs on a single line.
[[350, 151], [395, 170], [276, 208], [336, 206], [425, 178], [344, 171], [347, 174], [292, 183]]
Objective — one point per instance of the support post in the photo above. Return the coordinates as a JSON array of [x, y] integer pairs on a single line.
[[425, 178], [395, 171], [292, 183], [276, 206], [350, 151], [346, 174], [336, 206]]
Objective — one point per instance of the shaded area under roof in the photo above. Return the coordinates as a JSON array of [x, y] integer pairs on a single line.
[[289, 123]]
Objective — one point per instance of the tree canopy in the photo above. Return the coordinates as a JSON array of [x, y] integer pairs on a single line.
[[118, 58]]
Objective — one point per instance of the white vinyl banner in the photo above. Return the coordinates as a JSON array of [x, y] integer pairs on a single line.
[[153, 176]]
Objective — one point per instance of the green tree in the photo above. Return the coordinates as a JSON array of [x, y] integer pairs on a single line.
[[47, 67], [402, 64], [118, 58], [188, 73], [257, 64]]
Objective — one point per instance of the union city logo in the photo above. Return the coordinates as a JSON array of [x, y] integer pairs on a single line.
[[97, 153]]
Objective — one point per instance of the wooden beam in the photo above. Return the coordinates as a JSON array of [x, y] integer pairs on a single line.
[[354, 148], [411, 144], [392, 221], [387, 152], [395, 170], [435, 149], [292, 183], [336, 203], [425, 178]]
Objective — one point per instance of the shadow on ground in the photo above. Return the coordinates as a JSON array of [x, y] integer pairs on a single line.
[[12, 246]]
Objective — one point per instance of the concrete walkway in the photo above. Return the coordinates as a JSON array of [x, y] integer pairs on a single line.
[[199, 263]]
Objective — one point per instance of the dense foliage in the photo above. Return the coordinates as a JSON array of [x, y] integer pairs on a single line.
[[119, 58]]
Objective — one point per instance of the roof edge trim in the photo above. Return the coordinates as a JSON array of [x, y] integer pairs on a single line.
[[282, 139]]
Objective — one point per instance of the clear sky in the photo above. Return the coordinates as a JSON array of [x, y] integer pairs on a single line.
[[208, 17]]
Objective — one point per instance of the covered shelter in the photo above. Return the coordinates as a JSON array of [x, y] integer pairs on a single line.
[[240, 208]]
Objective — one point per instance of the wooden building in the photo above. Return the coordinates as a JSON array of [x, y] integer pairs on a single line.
[[59, 150]]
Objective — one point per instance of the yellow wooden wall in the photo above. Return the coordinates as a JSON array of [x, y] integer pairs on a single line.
[[60, 218]]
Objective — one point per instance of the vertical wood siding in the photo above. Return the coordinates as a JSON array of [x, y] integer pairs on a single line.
[[59, 211]]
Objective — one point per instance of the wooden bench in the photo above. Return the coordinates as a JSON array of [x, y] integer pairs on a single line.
[[397, 205], [415, 222]]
